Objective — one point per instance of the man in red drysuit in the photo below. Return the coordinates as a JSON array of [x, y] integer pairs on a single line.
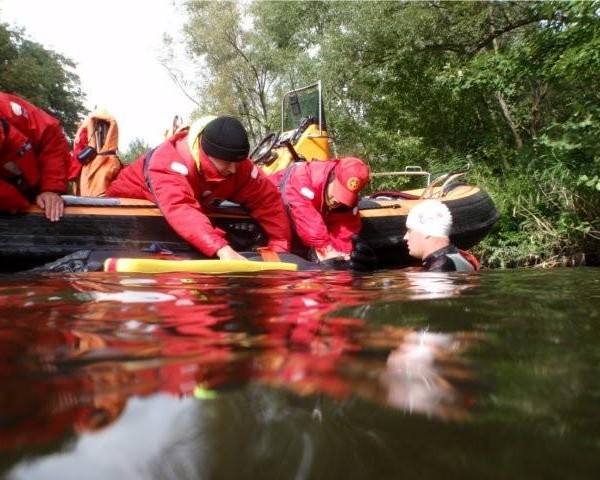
[[34, 158], [321, 198], [196, 169]]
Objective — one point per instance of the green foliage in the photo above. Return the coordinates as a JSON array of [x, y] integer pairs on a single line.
[[593, 182], [136, 148], [237, 65], [510, 88], [546, 215], [41, 76]]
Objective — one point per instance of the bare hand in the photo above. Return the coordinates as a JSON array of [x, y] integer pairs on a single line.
[[228, 253], [327, 253], [52, 204]]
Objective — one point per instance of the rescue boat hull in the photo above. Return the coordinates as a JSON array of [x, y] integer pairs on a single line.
[[28, 240]]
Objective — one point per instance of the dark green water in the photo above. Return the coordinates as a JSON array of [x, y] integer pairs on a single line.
[[391, 375]]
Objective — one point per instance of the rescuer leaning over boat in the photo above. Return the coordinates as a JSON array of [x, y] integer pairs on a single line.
[[428, 228], [196, 169], [34, 158], [321, 199]]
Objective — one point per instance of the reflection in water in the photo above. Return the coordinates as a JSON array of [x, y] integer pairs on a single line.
[[149, 428], [75, 351], [422, 374]]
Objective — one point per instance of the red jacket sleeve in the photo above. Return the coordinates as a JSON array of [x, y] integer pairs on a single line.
[[47, 139], [79, 144], [342, 225], [176, 198], [307, 220], [300, 197], [54, 158], [303, 194], [261, 197]]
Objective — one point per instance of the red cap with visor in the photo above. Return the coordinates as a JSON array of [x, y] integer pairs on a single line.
[[350, 177]]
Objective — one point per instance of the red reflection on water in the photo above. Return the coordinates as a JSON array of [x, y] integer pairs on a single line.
[[71, 357]]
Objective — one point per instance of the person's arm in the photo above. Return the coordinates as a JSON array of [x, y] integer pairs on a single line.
[[258, 194], [311, 226], [50, 148], [52, 151], [54, 171], [342, 226], [175, 197]]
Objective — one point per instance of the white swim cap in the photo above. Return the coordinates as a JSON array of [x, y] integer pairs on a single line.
[[430, 217]]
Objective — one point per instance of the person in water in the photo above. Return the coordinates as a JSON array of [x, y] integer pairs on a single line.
[[428, 228], [192, 172], [34, 158]]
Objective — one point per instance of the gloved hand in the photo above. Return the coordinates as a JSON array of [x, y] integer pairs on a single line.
[[338, 263], [334, 263], [362, 258]]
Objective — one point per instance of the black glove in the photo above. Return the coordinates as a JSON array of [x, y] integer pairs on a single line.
[[337, 263], [362, 258]]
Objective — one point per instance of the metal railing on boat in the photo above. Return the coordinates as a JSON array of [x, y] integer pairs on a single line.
[[410, 170]]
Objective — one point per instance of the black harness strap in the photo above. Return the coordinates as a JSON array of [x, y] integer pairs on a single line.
[[108, 152], [11, 172], [147, 159], [282, 185], [5, 125]]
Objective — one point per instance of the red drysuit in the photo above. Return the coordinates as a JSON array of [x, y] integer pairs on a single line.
[[185, 189], [303, 187], [34, 153]]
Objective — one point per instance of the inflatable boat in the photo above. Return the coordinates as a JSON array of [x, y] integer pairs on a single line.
[[133, 228], [128, 228]]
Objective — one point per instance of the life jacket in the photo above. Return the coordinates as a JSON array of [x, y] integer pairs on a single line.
[[461, 263], [100, 132]]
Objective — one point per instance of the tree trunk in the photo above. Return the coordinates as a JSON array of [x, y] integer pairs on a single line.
[[504, 107], [509, 120]]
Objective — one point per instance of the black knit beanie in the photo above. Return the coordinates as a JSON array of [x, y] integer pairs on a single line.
[[225, 138]]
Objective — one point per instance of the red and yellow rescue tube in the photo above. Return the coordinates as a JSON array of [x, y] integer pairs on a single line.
[[150, 265]]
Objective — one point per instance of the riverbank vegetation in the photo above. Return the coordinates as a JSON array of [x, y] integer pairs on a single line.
[[508, 90]]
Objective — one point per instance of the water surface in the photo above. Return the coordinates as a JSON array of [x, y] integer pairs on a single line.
[[301, 375]]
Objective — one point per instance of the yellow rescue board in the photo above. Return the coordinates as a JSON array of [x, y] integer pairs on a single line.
[[150, 265]]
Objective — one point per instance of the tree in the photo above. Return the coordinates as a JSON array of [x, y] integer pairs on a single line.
[[508, 86], [236, 72], [136, 148], [41, 76]]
